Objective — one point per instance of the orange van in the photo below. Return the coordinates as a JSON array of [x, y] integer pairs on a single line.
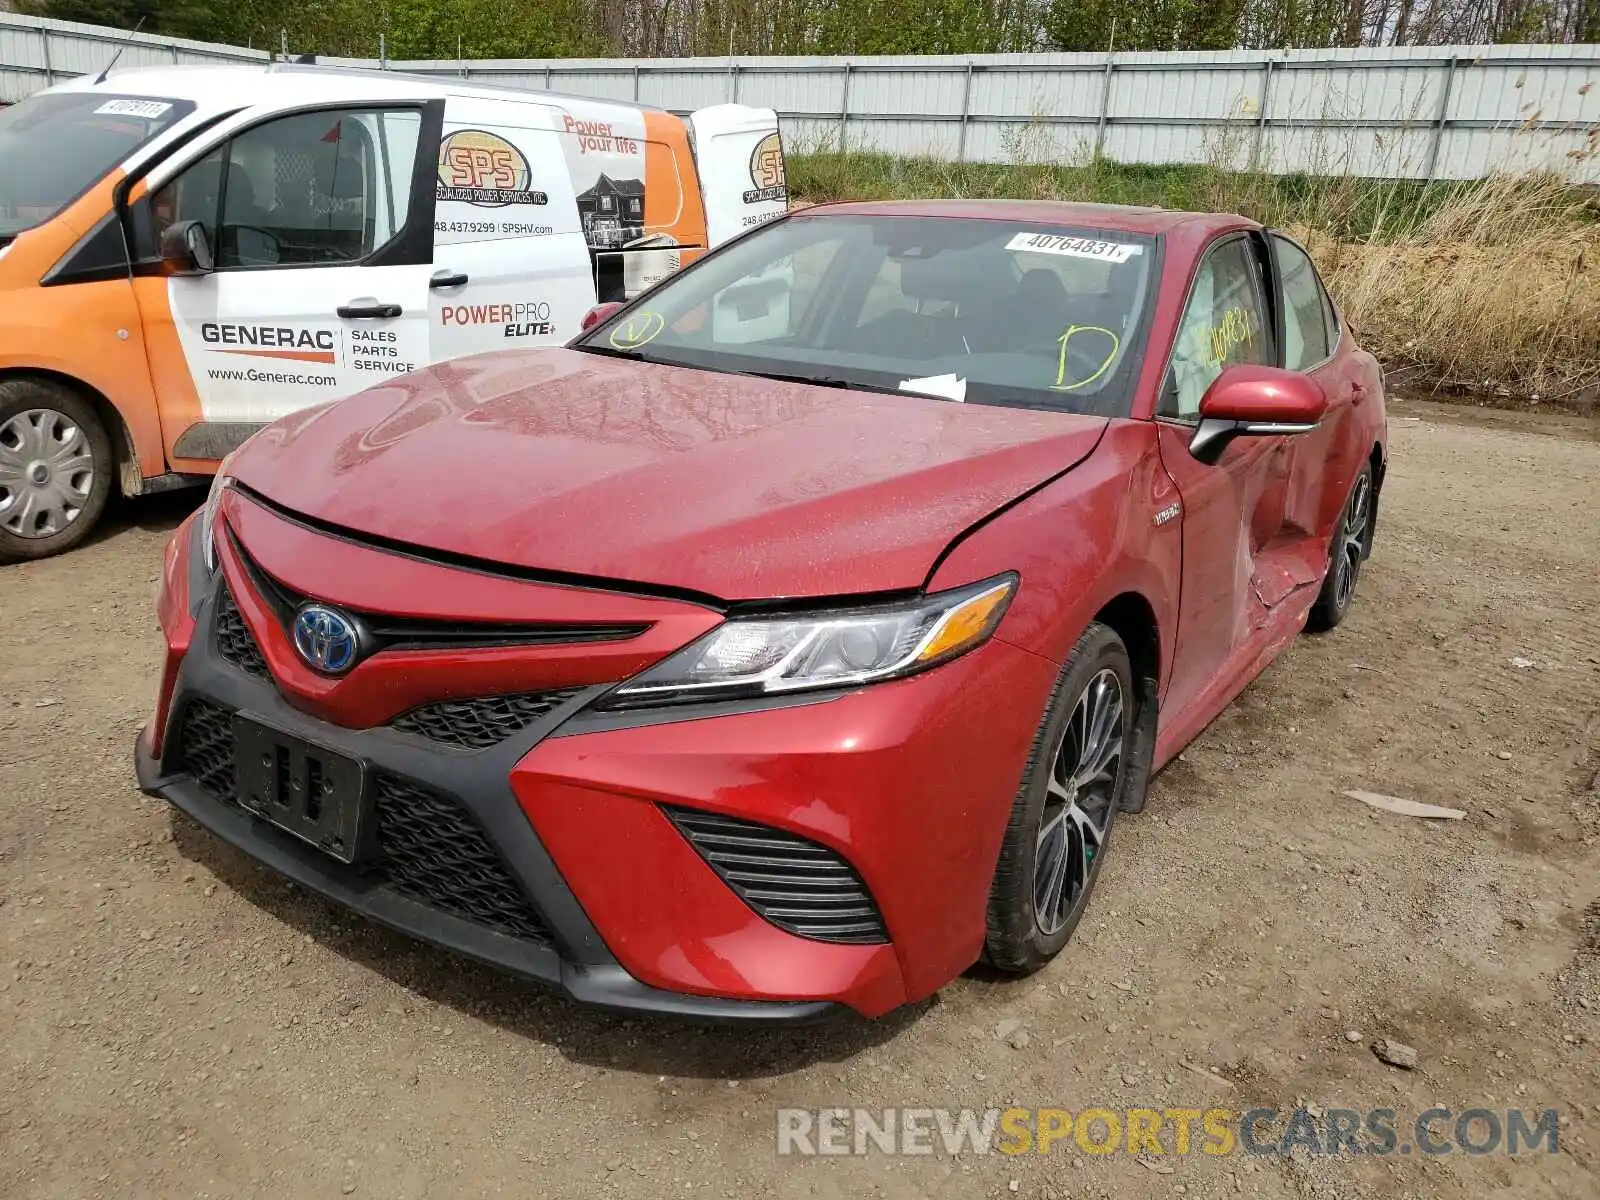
[[189, 253]]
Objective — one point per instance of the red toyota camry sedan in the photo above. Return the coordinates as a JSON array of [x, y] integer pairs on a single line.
[[793, 638]]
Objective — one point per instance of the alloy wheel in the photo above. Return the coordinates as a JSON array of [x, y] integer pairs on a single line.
[[1352, 540], [1080, 802]]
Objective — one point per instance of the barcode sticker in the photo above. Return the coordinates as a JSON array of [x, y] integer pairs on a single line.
[[149, 109], [1074, 247]]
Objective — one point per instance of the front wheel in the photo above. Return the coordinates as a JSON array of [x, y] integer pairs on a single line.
[[56, 469], [1352, 540], [1072, 788]]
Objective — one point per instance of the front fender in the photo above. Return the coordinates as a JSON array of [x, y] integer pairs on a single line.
[[1080, 542]]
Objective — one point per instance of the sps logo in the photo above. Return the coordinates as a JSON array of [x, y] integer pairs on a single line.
[[484, 169], [767, 171]]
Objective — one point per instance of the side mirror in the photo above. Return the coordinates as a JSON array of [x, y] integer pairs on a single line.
[[1250, 401], [598, 314], [186, 249]]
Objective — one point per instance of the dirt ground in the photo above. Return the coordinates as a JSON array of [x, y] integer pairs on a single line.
[[174, 1022]]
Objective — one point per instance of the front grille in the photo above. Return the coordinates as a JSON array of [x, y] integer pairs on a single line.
[[481, 723], [433, 852], [205, 748], [234, 640], [797, 884], [429, 849], [385, 631]]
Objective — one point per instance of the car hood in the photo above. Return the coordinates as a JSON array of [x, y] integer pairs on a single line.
[[728, 486]]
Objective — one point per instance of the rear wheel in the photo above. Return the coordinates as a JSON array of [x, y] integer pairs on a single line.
[[1072, 789], [1352, 540], [56, 469]]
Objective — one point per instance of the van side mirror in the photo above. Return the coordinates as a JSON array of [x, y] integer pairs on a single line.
[[1251, 401], [186, 249]]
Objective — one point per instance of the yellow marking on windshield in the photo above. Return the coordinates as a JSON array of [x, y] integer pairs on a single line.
[[1061, 384], [637, 330]]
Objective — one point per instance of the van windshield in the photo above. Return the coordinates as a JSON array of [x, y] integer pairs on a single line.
[[55, 146]]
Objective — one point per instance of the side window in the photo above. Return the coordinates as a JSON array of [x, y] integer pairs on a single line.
[[886, 294], [765, 307], [322, 188], [1305, 321], [192, 196], [1225, 323], [811, 264]]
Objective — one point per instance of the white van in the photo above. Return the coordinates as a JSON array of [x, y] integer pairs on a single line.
[[188, 253]]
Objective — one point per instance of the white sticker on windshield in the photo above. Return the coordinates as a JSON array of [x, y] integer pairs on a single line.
[[1074, 247], [949, 387], [148, 109]]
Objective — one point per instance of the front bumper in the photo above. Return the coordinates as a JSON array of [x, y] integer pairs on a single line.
[[592, 976], [909, 784]]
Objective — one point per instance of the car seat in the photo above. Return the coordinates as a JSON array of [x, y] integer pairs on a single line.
[[1029, 319]]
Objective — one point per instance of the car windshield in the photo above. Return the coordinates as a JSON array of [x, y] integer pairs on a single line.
[[979, 310], [54, 146]]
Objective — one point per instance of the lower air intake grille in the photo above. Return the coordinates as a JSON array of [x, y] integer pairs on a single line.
[[205, 748], [797, 884], [479, 724], [429, 848], [433, 852], [234, 641]]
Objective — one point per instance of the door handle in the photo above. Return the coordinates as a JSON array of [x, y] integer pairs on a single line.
[[365, 309], [448, 279]]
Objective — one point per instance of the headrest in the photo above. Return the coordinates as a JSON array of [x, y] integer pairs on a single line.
[[1041, 287], [950, 275]]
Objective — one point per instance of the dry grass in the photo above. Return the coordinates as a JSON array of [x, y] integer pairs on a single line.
[[1490, 286], [1496, 291]]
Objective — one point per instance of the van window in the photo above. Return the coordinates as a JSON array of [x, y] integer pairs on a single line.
[[320, 188], [54, 147]]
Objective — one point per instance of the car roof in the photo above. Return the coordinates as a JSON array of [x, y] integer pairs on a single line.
[[214, 87], [1124, 218]]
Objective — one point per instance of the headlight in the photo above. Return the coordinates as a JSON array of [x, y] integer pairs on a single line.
[[208, 514], [764, 656]]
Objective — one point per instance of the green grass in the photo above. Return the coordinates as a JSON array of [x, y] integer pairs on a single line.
[[1344, 207]]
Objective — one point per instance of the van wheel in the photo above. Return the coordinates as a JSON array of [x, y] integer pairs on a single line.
[[56, 469]]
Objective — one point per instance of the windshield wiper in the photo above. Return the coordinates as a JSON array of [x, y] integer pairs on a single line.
[[611, 352], [827, 381], [814, 380], [830, 381]]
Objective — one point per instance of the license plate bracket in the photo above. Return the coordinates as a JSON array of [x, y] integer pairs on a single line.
[[318, 795]]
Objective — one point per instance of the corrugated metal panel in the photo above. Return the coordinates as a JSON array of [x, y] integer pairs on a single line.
[[1454, 111], [35, 52]]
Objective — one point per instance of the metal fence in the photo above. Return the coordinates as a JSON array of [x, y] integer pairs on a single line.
[[1411, 112], [34, 53]]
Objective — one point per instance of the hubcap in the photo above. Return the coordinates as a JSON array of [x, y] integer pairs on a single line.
[[46, 473], [1352, 541], [1079, 802]]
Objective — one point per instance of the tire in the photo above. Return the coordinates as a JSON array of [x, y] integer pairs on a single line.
[[1027, 928], [56, 469], [1351, 543]]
